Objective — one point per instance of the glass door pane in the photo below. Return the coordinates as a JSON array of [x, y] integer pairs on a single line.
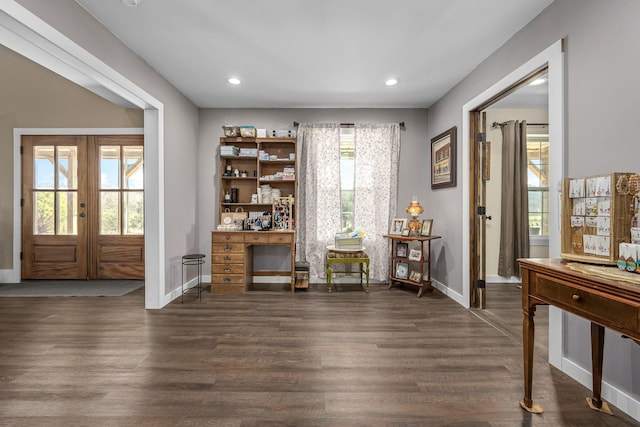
[[110, 180], [133, 211], [67, 217], [43, 213], [109, 167], [133, 172]]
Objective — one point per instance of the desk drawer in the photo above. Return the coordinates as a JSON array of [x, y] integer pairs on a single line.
[[228, 279], [588, 304], [227, 237], [227, 268], [284, 238], [227, 258], [268, 238], [227, 248]]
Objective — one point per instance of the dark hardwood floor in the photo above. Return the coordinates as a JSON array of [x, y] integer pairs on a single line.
[[269, 358]]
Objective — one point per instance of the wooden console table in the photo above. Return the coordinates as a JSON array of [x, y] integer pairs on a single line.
[[232, 258], [425, 258], [606, 303]]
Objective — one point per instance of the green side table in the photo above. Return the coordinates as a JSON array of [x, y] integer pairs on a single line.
[[343, 257]]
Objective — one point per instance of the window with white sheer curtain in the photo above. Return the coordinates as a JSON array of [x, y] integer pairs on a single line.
[[376, 153]]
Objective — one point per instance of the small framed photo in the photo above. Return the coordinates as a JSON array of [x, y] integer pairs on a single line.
[[401, 249], [415, 276], [397, 225], [415, 255], [402, 270], [425, 230], [405, 232]]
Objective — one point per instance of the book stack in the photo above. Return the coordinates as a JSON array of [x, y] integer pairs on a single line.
[[289, 173], [229, 150], [248, 152]]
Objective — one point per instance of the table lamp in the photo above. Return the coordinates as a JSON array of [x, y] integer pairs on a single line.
[[414, 209]]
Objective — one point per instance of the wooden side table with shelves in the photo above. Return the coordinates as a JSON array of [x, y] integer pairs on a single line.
[[415, 272]]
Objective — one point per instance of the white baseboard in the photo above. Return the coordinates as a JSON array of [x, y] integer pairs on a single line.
[[177, 293], [271, 279], [9, 276], [459, 298], [502, 279], [616, 397]]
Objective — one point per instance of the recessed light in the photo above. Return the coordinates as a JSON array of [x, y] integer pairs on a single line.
[[538, 81], [234, 80], [391, 82], [130, 2]]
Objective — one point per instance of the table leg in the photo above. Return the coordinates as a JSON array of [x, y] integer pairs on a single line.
[[329, 273], [528, 333], [367, 263], [597, 350]]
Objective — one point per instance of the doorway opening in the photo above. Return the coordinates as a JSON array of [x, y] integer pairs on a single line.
[[31, 37], [475, 126], [511, 184]]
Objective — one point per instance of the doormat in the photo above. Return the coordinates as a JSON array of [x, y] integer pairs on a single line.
[[70, 288]]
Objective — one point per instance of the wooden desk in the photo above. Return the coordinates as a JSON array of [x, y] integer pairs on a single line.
[[606, 303], [232, 258], [418, 264]]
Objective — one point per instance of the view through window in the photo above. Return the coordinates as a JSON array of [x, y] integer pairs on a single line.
[[538, 179], [347, 177]]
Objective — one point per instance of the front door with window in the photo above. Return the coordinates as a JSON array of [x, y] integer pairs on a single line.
[[83, 207]]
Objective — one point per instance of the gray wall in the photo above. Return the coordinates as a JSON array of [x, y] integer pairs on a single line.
[[602, 89], [181, 122], [414, 152]]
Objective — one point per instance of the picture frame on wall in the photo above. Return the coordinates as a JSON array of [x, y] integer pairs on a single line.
[[397, 225], [443, 159], [425, 230]]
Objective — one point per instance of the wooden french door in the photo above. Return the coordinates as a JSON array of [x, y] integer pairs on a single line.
[[82, 207]]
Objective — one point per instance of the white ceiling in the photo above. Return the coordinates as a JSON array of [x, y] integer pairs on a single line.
[[315, 54]]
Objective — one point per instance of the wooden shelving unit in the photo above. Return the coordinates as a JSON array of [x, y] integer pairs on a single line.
[[258, 173]]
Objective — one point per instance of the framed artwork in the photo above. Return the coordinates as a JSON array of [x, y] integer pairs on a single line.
[[415, 255], [402, 270], [415, 276], [405, 232], [426, 227], [397, 225], [443, 159], [401, 249]]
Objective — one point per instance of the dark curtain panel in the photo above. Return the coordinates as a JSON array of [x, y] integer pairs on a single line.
[[514, 228]]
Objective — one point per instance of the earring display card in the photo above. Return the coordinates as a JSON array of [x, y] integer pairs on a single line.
[[599, 219]]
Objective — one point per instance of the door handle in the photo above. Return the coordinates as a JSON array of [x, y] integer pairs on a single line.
[[488, 217], [83, 205], [82, 214]]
